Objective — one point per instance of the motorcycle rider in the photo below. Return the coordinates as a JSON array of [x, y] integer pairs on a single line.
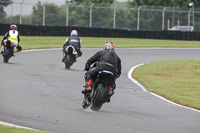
[[73, 40], [106, 60], [13, 36]]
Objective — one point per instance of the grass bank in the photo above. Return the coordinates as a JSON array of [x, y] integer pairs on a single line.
[[7, 129], [35, 42], [176, 80]]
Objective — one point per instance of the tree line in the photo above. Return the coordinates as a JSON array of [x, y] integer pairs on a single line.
[[79, 15]]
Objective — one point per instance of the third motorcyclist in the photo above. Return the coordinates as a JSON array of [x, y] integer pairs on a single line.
[[13, 36]]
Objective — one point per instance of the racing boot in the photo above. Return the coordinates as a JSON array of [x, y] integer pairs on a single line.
[[13, 51], [18, 48], [2, 49], [63, 59], [88, 87], [110, 93]]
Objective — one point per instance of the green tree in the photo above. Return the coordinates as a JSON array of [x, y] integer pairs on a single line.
[[80, 16], [3, 3], [92, 1], [169, 3], [15, 19], [37, 14], [54, 15], [151, 20]]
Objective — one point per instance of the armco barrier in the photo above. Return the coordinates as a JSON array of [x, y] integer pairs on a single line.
[[34, 30]]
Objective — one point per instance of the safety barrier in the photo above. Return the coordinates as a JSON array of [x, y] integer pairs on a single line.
[[34, 30]]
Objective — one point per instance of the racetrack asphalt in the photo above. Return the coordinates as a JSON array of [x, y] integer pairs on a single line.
[[37, 92]]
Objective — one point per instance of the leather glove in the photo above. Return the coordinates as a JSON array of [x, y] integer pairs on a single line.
[[87, 67]]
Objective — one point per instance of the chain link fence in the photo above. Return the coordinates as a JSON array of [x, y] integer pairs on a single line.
[[114, 16]]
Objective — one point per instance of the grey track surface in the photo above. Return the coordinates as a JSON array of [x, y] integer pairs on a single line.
[[37, 92]]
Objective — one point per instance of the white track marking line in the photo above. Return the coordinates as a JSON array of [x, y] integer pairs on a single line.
[[144, 89]]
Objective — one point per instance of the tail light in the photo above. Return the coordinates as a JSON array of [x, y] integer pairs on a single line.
[[8, 43]]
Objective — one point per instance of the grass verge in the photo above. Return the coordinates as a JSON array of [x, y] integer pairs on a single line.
[[7, 129], [176, 80], [36, 42]]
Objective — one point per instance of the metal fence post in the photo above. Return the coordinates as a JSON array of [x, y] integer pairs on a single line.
[[189, 17], [91, 14], [114, 15], [138, 20], [168, 24], [163, 18], [12, 12], [67, 14], [193, 17], [43, 15], [21, 12], [178, 24]]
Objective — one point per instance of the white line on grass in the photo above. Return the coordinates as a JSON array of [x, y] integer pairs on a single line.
[[144, 89]]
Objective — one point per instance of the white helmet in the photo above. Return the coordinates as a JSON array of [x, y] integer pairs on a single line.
[[74, 33], [13, 27]]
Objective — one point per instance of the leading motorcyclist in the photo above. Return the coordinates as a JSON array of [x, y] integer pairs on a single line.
[[72, 40], [13, 36], [107, 60]]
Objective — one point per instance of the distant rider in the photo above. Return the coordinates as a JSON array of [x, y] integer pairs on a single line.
[[73, 40], [13, 36], [106, 60]]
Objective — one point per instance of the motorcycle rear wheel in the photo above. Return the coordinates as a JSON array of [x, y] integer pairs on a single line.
[[67, 62], [6, 55], [99, 98]]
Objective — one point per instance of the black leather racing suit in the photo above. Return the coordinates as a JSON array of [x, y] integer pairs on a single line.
[[107, 60], [75, 41]]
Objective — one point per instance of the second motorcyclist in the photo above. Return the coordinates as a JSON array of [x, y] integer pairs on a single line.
[[73, 40]]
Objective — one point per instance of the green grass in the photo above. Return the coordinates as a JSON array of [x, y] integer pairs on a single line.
[[176, 80], [36, 42], [7, 129]]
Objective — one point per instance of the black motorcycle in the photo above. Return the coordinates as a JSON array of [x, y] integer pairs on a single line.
[[70, 56], [8, 51], [102, 90]]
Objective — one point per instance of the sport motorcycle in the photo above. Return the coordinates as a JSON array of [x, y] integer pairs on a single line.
[[70, 56], [102, 90], [8, 51]]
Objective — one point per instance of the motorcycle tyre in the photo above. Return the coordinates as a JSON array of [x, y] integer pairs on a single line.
[[6, 55], [67, 62], [85, 103], [99, 98]]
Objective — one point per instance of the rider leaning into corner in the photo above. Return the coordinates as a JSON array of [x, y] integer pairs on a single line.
[[73, 40], [106, 60], [13, 36]]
